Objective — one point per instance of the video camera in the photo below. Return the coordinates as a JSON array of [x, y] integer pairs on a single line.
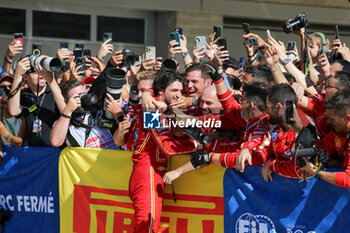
[[305, 144]]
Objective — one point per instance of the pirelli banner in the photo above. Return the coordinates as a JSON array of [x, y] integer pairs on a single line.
[[94, 195]]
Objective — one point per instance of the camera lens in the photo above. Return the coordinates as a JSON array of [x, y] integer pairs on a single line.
[[295, 24], [115, 81], [170, 64], [133, 96], [52, 64]]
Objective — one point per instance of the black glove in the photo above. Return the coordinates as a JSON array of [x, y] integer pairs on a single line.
[[215, 76], [200, 158]]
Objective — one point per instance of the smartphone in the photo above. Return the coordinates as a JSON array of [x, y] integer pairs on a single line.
[[201, 41], [251, 41], [180, 31], [63, 45], [246, 28], [336, 32], [139, 59], [18, 38], [107, 35], [36, 49], [87, 53], [222, 42], [78, 52], [291, 45], [218, 31], [242, 64], [175, 36], [268, 33], [288, 109], [150, 51], [79, 45], [80, 61]]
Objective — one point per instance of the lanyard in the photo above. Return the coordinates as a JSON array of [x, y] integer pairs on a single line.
[[41, 103], [10, 126]]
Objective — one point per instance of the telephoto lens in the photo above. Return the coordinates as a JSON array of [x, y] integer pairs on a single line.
[[133, 96], [295, 24], [52, 64], [115, 81]]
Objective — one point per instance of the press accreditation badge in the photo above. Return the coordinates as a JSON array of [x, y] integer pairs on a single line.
[[37, 124]]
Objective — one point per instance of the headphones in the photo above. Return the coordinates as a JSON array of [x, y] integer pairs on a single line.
[[323, 38]]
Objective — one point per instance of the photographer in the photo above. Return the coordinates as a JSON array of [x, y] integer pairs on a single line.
[[338, 113], [77, 126], [37, 103]]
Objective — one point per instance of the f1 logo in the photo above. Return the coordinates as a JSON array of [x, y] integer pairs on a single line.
[[151, 120]]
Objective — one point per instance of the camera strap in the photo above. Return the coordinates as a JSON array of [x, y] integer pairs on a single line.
[[15, 91]]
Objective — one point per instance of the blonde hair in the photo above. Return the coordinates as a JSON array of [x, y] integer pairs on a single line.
[[317, 39], [146, 75]]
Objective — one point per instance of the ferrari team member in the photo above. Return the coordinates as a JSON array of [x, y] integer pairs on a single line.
[[338, 113], [152, 147]]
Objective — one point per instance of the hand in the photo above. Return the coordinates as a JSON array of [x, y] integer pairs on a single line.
[[261, 42], [183, 42], [13, 49], [324, 65], [198, 54], [148, 102], [47, 75], [99, 67], [117, 58], [74, 71], [279, 46], [170, 176], [266, 172], [3, 131], [105, 49], [183, 102], [63, 54], [309, 169], [23, 66], [212, 42], [158, 64], [114, 107], [344, 51], [172, 49], [297, 124], [73, 103], [244, 157], [125, 92], [148, 63], [123, 127], [336, 44], [221, 56], [271, 56], [299, 32]]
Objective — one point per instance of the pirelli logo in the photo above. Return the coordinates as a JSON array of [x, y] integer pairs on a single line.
[[109, 210]]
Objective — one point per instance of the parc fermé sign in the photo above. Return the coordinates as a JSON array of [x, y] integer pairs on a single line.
[[95, 197]]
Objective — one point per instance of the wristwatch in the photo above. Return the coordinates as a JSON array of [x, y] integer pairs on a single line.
[[286, 61], [185, 54], [9, 139]]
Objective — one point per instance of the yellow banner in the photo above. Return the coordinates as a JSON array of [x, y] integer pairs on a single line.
[[94, 196]]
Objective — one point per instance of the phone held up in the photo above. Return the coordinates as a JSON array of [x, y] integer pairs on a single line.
[[175, 36], [201, 42], [218, 31], [107, 35], [150, 51], [288, 109], [18, 38]]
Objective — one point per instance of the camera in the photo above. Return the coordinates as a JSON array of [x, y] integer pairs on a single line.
[[52, 64], [134, 95], [87, 100], [114, 82], [129, 58], [170, 64], [295, 24]]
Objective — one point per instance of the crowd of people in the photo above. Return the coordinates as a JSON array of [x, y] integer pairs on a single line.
[[263, 106]]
